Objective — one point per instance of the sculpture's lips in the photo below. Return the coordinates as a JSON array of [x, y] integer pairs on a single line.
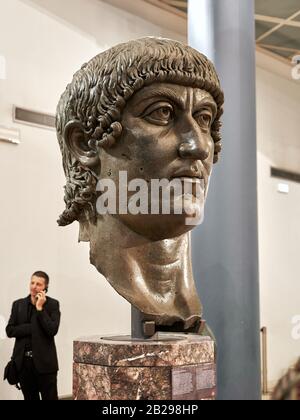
[[195, 181], [187, 178], [195, 185], [188, 175]]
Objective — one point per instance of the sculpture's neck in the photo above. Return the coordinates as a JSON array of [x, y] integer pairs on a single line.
[[155, 276], [164, 265]]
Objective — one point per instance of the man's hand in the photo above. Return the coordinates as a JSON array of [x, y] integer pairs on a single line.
[[41, 299]]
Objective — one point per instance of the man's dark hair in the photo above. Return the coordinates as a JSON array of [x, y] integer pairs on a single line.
[[43, 275]]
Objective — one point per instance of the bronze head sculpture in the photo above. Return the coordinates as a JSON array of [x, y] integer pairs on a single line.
[[149, 109]]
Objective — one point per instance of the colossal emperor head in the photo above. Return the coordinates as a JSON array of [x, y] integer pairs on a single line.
[[144, 111]]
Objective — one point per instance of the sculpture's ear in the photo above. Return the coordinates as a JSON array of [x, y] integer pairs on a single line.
[[77, 141]]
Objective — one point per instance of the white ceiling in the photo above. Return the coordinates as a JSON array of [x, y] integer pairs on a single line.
[[277, 22]]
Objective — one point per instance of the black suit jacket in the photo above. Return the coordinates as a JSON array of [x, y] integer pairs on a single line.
[[42, 329]]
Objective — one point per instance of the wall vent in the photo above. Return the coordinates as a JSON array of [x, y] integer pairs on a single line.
[[283, 174], [34, 118]]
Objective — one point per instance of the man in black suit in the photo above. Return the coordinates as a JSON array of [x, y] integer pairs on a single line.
[[34, 322]]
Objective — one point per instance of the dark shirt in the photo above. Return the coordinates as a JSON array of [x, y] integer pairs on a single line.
[[30, 311]]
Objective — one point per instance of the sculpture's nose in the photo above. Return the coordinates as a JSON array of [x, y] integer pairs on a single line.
[[191, 150], [194, 143]]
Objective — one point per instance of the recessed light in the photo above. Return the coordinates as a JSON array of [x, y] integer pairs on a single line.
[[283, 188]]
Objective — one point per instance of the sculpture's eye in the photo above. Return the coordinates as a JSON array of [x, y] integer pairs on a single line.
[[204, 119], [159, 114]]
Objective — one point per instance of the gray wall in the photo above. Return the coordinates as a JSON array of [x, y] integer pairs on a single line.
[[225, 247]]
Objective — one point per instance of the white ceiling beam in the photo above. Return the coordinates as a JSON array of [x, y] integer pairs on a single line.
[[275, 47], [271, 19], [284, 22]]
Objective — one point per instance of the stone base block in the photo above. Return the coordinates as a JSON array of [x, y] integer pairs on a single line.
[[169, 367]]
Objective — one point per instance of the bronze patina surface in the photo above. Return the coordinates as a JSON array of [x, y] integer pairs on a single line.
[[150, 108]]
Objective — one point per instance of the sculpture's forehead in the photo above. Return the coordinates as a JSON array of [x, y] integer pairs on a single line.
[[175, 92]]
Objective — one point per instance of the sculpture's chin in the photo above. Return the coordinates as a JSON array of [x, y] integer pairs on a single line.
[[164, 226], [158, 227]]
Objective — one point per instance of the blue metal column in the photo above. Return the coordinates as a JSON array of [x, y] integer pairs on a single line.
[[225, 247]]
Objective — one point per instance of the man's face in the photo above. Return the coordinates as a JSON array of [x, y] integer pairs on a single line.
[[166, 135], [37, 284]]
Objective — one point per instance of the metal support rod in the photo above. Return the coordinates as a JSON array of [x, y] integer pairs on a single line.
[[264, 360], [136, 323]]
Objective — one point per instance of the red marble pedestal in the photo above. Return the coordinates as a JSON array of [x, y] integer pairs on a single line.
[[170, 367]]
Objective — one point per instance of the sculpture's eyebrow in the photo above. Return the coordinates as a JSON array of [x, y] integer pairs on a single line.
[[206, 102], [160, 93], [164, 92]]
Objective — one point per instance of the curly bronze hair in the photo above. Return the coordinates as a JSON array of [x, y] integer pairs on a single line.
[[99, 92], [288, 387]]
